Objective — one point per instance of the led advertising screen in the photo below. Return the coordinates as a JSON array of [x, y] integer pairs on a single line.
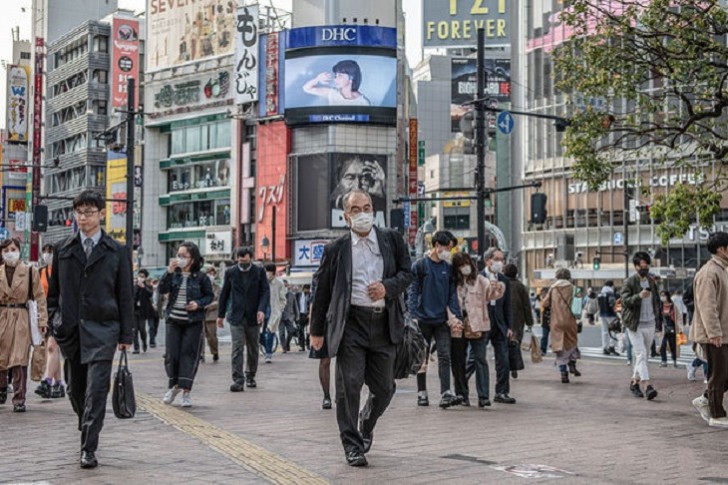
[[341, 74], [464, 85]]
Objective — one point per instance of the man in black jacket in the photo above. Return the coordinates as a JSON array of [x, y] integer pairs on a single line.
[[246, 288], [143, 310], [358, 307], [90, 295]]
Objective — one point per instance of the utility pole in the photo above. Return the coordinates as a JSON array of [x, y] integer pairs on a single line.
[[130, 116], [480, 138], [625, 217]]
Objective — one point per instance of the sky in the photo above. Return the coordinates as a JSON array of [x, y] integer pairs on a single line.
[[18, 13]]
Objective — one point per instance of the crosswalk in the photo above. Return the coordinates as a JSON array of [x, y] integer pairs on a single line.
[[686, 355]]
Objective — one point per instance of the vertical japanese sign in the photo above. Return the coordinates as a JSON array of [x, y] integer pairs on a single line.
[[37, 126], [17, 96], [116, 196], [412, 179], [125, 60], [246, 55], [272, 75]]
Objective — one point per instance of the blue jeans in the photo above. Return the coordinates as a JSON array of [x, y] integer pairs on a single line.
[[441, 334], [545, 331], [629, 346], [267, 339], [459, 360]]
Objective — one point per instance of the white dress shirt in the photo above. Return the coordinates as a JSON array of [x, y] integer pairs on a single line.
[[367, 268]]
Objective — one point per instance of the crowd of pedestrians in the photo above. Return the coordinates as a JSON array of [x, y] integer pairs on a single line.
[[85, 303]]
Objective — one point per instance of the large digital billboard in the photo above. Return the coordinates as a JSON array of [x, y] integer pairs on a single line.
[[341, 74], [465, 84]]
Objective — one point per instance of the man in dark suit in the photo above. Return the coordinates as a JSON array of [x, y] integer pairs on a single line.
[[90, 295], [358, 307], [246, 288]]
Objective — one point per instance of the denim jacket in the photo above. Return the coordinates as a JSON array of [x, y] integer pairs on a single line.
[[199, 289]]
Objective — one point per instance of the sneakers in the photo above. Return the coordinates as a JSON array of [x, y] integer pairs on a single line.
[[250, 382], [635, 390], [483, 402], [702, 406], [675, 365], [718, 422], [18, 408], [268, 358], [691, 373], [422, 399], [43, 389], [612, 351], [448, 400], [58, 391], [651, 393], [215, 357], [171, 395], [326, 404], [663, 364], [186, 399]]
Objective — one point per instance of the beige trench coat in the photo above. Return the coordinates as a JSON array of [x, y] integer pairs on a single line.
[[15, 337], [563, 324]]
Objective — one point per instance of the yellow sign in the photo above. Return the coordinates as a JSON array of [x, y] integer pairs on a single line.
[[116, 197], [456, 203]]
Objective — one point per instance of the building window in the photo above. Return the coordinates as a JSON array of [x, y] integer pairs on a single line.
[[457, 222], [101, 76], [200, 138], [101, 43], [201, 176], [191, 214]]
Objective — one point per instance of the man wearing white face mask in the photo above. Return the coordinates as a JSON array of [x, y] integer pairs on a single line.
[[431, 294], [357, 309]]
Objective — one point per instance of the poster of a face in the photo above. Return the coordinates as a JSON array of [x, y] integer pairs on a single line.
[[357, 171], [341, 80]]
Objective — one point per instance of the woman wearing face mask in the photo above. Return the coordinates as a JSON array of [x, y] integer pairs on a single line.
[[670, 327], [474, 292], [564, 337], [18, 282], [190, 291]]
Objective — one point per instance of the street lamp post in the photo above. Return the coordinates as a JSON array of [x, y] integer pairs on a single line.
[[130, 115]]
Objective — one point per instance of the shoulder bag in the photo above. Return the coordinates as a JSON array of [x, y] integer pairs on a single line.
[[122, 399], [32, 306]]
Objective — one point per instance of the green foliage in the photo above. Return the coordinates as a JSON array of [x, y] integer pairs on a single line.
[[661, 69]]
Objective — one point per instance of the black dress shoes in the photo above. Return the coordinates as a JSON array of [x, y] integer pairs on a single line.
[[88, 460], [18, 408], [3, 395], [251, 383], [356, 458], [483, 402], [326, 404], [504, 399], [237, 387]]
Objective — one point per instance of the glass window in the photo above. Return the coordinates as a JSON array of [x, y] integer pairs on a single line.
[[204, 175], [223, 135], [178, 141], [222, 212], [457, 221], [192, 137]]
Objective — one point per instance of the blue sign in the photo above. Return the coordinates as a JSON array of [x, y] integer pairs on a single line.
[[338, 118], [342, 35], [4, 234], [407, 207], [505, 122], [618, 238]]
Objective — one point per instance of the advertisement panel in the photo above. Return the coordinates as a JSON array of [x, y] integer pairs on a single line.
[[17, 96], [312, 192], [37, 128], [412, 180], [341, 74], [179, 32], [124, 60], [308, 252], [357, 171], [456, 23], [246, 55], [465, 84], [272, 53], [116, 196], [200, 92]]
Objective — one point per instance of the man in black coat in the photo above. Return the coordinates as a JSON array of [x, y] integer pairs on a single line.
[[358, 307], [91, 299], [143, 311], [246, 289]]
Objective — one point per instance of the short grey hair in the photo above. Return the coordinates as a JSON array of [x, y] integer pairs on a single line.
[[490, 253], [563, 274], [347, 198]]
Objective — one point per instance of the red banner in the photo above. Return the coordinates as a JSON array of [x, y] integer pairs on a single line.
[[37, 127], [124, 60], [412, 184]]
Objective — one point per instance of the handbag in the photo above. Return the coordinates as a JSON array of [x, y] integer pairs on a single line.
[[122, 398], [536, 355], [411, 352], [32, 306], [681, 338], [515, 359], [576, 304], [38, 363]]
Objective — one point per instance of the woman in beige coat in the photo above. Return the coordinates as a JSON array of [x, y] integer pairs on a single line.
[[17, 280], [474, 293], [564, 336]]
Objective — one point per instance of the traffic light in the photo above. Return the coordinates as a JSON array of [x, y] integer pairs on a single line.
[[538, 208], [597, 262]]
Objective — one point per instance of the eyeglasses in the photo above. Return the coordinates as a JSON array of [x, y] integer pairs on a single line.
[[86, 213]]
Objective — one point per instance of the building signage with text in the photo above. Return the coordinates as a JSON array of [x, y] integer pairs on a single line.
[[455, 23], [17, 96], [308, 252], [202, 92], [124, 60], [246, 55]]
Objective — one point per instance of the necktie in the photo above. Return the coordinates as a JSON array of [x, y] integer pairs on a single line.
[[88, 247]]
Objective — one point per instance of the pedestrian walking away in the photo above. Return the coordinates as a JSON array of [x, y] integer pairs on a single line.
[[246, 292], [276, 306], [288, 328], [564, 335], [641, 315], [143, 309], [189, 291], [521, 310], [710, 327], [211, 318], [607, 316], [19, 283], [545, 321], [91, 299], [670, 328], [358, 312]]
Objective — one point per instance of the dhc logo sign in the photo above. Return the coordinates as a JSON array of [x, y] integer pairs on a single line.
[[347, 34]]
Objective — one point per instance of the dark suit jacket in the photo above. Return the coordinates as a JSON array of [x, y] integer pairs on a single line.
[[143, 301], [246, 301], [94, 298], [332, 296], [501, 314]]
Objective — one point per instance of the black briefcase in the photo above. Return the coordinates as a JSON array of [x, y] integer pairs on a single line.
[[515, 358], [122, 398]]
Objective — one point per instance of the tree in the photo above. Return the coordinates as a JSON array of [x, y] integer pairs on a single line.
[[661, 68]]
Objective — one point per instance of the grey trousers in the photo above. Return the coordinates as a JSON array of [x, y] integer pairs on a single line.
[[245, 337]]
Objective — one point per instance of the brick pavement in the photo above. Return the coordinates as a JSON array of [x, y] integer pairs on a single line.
[[592, 430]]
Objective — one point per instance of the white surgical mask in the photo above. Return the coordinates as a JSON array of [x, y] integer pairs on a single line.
[[11, 258], [664, 299], [445, 255], [48, 258], [182, 263], [497, 266], [362, 222], [466, 270]]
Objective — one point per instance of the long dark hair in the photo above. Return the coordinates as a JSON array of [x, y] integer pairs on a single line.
[[197, 259], [6, 243], [462, 259]]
